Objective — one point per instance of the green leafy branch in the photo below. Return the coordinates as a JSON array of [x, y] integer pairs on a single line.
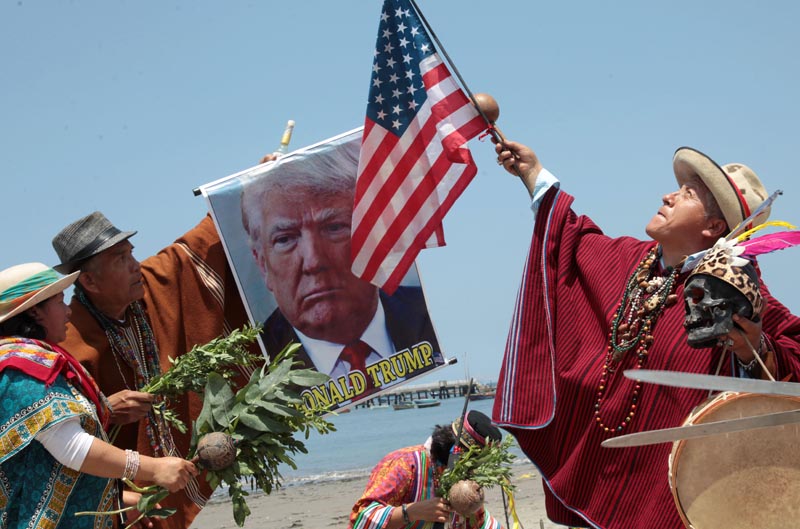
[[487, 466], [262, 418], [190, 372], [147, 505]]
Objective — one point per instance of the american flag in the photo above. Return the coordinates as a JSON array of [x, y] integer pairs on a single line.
[[414, 161]]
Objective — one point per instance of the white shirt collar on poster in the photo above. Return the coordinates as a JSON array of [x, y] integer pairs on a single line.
[[325, 355]]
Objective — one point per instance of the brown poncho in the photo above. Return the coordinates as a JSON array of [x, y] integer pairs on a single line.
[[190, 298]]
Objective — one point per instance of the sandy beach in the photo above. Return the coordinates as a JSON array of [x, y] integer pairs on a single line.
[[328, 504]]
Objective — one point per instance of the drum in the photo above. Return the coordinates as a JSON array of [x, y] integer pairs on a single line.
[[740, 480]]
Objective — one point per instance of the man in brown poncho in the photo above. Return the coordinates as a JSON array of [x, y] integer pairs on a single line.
[[128, 318]]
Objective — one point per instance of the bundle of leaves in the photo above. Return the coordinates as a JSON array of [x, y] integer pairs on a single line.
[[262, 418], [478, 468], [190, 371]]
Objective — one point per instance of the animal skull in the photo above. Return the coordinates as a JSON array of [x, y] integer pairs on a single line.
[[710, 305]]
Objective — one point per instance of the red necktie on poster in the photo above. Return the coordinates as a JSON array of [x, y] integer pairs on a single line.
[[356, 355]]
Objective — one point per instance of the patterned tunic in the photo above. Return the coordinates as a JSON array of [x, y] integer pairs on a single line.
[[36, 491], [573, 283], [404, 476]]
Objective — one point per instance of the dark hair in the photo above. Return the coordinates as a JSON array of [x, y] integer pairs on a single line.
[[442, 440], [23, 325]]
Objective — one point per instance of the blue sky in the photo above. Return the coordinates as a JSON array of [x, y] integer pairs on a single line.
[[127, 106]]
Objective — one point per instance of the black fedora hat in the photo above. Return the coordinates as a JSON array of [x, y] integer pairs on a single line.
[[85, 238], [478, 429]]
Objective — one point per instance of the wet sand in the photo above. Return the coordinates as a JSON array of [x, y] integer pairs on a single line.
[[322, 505]]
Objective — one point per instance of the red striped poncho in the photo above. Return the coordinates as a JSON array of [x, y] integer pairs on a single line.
[[573, 282]]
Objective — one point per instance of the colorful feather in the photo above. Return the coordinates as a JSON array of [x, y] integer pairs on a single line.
[[770, 243], [731, 249], [772, 223], [742, 226], [738, 248]]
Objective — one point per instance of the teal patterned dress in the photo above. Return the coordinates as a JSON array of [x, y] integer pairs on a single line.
[[36, 491]]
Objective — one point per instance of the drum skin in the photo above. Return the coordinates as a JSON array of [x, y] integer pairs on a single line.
[[740, 480]]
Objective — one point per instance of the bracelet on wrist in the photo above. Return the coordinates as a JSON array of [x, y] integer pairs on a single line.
[[754, 364], [406, 519], [763, 349], [132, 462]]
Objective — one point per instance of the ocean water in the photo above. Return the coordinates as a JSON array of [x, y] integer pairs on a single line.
[[363, 436]]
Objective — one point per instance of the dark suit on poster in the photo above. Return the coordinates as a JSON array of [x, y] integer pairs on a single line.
[[407, 323]]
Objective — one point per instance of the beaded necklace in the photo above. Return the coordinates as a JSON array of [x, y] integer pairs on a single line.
[[136, 345], [645, 297]]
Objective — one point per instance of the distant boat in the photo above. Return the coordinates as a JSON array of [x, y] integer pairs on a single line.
[[427, 403], [378, 406], [403, 405], [484, 395]]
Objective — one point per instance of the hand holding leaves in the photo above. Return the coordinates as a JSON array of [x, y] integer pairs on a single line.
[[262, 417]]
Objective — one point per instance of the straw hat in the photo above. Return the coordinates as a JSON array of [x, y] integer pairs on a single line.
[[84, 238], [736, 188], [26, 285]]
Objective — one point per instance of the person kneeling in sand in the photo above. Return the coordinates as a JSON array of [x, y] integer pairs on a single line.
[[401, 487]]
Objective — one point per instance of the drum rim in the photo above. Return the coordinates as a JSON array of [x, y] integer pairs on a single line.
[[700, 411]]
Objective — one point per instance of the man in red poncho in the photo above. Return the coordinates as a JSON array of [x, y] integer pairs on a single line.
[[591, 306]]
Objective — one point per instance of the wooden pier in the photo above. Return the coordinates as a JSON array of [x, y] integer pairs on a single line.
[[443, 389]]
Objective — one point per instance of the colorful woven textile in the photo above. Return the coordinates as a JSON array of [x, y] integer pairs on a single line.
[[404, 476], [45, 361], [35, 490]]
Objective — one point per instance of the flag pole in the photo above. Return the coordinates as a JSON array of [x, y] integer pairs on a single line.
[[452, 65], [453, 457], [491, 129]]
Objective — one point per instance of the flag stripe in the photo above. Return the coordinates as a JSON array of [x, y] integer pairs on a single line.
[[432, 191], [386, 197], [414, 162], [420, 215], [393, 281], [401, 155]]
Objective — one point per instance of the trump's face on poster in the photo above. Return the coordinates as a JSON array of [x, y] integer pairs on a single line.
[[304, 253], [287, 229]]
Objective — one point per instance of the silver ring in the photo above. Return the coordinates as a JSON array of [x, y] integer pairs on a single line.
[[729, 343]]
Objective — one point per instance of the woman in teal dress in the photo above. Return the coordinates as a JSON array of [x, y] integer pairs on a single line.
[[55, 460]]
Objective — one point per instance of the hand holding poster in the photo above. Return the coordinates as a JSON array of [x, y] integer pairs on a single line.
[[286, 229]]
